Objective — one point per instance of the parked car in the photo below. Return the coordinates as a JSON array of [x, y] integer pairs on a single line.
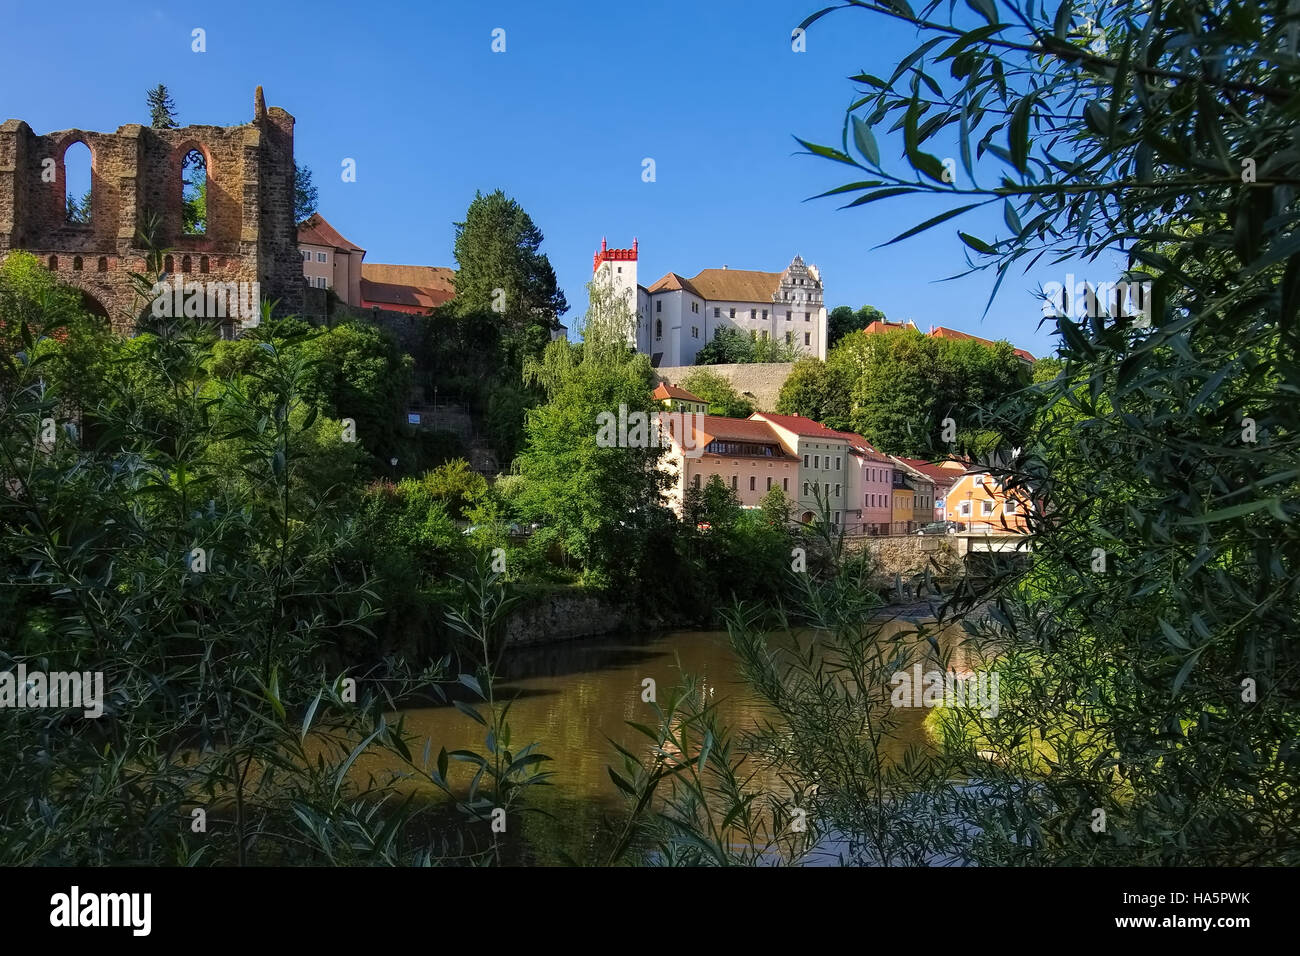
[[942, 527]]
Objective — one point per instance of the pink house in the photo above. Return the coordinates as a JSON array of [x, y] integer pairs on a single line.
[[871, 478]]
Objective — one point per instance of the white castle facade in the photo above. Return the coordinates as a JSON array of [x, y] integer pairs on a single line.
[[676, 316]]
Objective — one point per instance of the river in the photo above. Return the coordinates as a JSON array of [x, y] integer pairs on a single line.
[[572, 698]]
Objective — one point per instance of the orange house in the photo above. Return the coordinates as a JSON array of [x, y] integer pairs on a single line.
[[979, 501]]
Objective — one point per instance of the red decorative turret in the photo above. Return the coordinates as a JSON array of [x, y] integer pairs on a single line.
[[613, 255]]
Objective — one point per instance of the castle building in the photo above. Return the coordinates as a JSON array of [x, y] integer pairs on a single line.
[[676, 316]]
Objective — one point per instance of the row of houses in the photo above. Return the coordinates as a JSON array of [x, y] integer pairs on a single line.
[[865, 490]]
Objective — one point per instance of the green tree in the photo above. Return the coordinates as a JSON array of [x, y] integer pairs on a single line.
[[817, 390], [306, 197], [842, 320], [727, 346], [501, 272], [1162, 452], [721, 395], [162, 110]]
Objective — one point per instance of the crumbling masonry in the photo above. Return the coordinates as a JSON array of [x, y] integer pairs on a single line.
[[135, 173]]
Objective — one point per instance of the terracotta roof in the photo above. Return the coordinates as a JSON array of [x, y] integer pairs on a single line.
[[935, 471], [667, 390], [915, 472], [861, 446], [672, 282], [940, 332], [878, 326], [426, 277], [316, 231], [718, 427], [736, 285], [801, 426], [423, 287]]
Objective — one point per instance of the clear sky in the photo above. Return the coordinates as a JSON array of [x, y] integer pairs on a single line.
[[562, 120]]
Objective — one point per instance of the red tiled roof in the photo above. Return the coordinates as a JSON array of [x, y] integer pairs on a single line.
[[316, 231], [940, 332], [667, 390], [800, 425], [718, 427], [423, 287], [672, 282], [931, 470]]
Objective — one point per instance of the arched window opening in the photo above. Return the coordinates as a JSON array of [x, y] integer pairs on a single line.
[[203, 264], [194, 194], [77, 183], [102, 264], [168, 267], [54, 263], [185, 265], [76, 263]]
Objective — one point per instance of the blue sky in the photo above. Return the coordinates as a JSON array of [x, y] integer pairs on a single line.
[[561, 121]]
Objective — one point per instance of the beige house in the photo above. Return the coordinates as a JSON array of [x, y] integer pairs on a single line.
[[746, 454], [330, 261], [823, 458]]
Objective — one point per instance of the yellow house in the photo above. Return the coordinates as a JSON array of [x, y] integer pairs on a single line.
[[679, 400], [903, 500]]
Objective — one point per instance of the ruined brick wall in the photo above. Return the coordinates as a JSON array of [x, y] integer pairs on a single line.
[[136, 172]]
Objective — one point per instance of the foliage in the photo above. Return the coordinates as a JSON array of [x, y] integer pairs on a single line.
[[718, 392], [732, 345], [1152, 626], [499, 266], [306, 197], [842, 320], [162, 109]]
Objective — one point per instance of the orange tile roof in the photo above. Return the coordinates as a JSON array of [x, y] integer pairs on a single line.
[[667, 390], [672, 282], [801, 426], [423, 287], [316, 231], [940, 332], [935, 471]]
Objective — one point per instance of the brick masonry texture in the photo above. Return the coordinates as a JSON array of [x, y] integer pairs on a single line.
[[136, 172]]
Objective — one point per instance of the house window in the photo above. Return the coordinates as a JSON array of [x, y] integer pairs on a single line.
[[785, 484], [659, 328], [320, 282], [695, 331], [733, 313], [735, 482], [837, 462], [306, 256], [769, 482], [717, 312], [837, 491], [695, 482], [752, 479], [765, 315], [805, 489], [322, 257], [620, 270], [807, 316], [965, 509], [659, 306], [986, 508], [1010, 507], [805, 461], [807, 338], [817, 461]]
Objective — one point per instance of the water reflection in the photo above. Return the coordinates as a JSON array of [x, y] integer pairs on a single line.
[[572, 698]]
